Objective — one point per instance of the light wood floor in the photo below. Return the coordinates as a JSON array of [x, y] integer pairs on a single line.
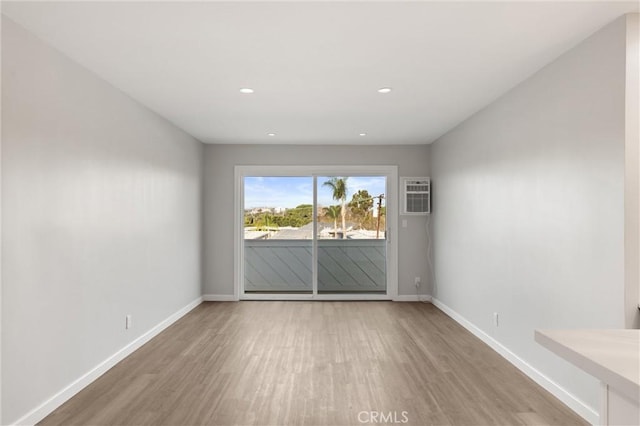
[[313, 363]]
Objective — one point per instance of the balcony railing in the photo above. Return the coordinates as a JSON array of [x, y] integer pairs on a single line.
[[344, 266]]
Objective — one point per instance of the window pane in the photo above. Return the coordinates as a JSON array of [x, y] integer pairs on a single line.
[[351, 234], [278, 232]]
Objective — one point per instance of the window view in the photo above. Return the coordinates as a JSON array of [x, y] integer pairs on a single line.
[[278, 208], [351, 207], [350, 216], [278, 234], [351, 234]]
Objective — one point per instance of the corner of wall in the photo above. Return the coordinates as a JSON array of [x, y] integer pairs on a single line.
[[632, 173], [578, 406], [203, 240], [1, 422], [47, 407]]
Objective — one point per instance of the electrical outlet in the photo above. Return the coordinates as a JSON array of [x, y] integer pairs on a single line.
[[416, 280], [128, 322], [495, 319]]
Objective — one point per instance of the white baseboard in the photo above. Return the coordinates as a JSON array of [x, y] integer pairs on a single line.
[[219, 298], [232, 298], [583, 410], [47, 407], [412, 298]]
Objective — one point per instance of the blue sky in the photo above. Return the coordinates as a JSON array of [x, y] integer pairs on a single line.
[[292, 191]]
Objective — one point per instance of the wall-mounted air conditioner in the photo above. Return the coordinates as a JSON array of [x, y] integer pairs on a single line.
[[416, 195]]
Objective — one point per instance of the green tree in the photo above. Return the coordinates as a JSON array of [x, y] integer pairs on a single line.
[[265, 222], [296, 217], [338, 186], [299, 216], [360, 206], [333, 212], [248, 219]]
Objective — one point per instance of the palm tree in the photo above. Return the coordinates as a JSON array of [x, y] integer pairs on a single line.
[[333, 212], [339, 187]]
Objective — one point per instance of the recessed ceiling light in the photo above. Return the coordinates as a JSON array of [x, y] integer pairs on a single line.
[[384, 90], [363, 134], [271, 134], [246, 90]]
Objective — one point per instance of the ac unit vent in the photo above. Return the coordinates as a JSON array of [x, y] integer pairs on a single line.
[[416, 198]]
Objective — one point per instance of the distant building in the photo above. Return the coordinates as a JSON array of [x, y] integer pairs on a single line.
[[258, 210]]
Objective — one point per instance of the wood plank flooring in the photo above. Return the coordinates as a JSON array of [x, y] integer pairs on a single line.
[[314, 363]]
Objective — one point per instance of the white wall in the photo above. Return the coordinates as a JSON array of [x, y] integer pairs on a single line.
[[529, 210], [101, 216], [1, 233], [632, 173], [219, 198]]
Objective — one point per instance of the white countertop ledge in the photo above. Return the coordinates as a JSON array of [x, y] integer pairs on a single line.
[[613, 356]]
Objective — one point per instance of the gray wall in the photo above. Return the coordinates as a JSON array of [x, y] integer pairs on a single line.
[[632, 174], [219, 198], [529, 209], [101, 217]]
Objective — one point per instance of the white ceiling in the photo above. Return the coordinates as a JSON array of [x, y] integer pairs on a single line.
[[315, 66]]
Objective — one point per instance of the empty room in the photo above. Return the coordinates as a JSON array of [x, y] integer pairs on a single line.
[[320, 213]]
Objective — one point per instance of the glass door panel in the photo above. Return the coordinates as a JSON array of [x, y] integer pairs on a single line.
[[351, 240], [278, 234]]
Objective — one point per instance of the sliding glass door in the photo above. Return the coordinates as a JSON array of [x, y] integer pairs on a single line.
[[312, 235], [351, 242], [278, 234]]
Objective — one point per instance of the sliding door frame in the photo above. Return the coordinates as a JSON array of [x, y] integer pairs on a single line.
[[391, 174]]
